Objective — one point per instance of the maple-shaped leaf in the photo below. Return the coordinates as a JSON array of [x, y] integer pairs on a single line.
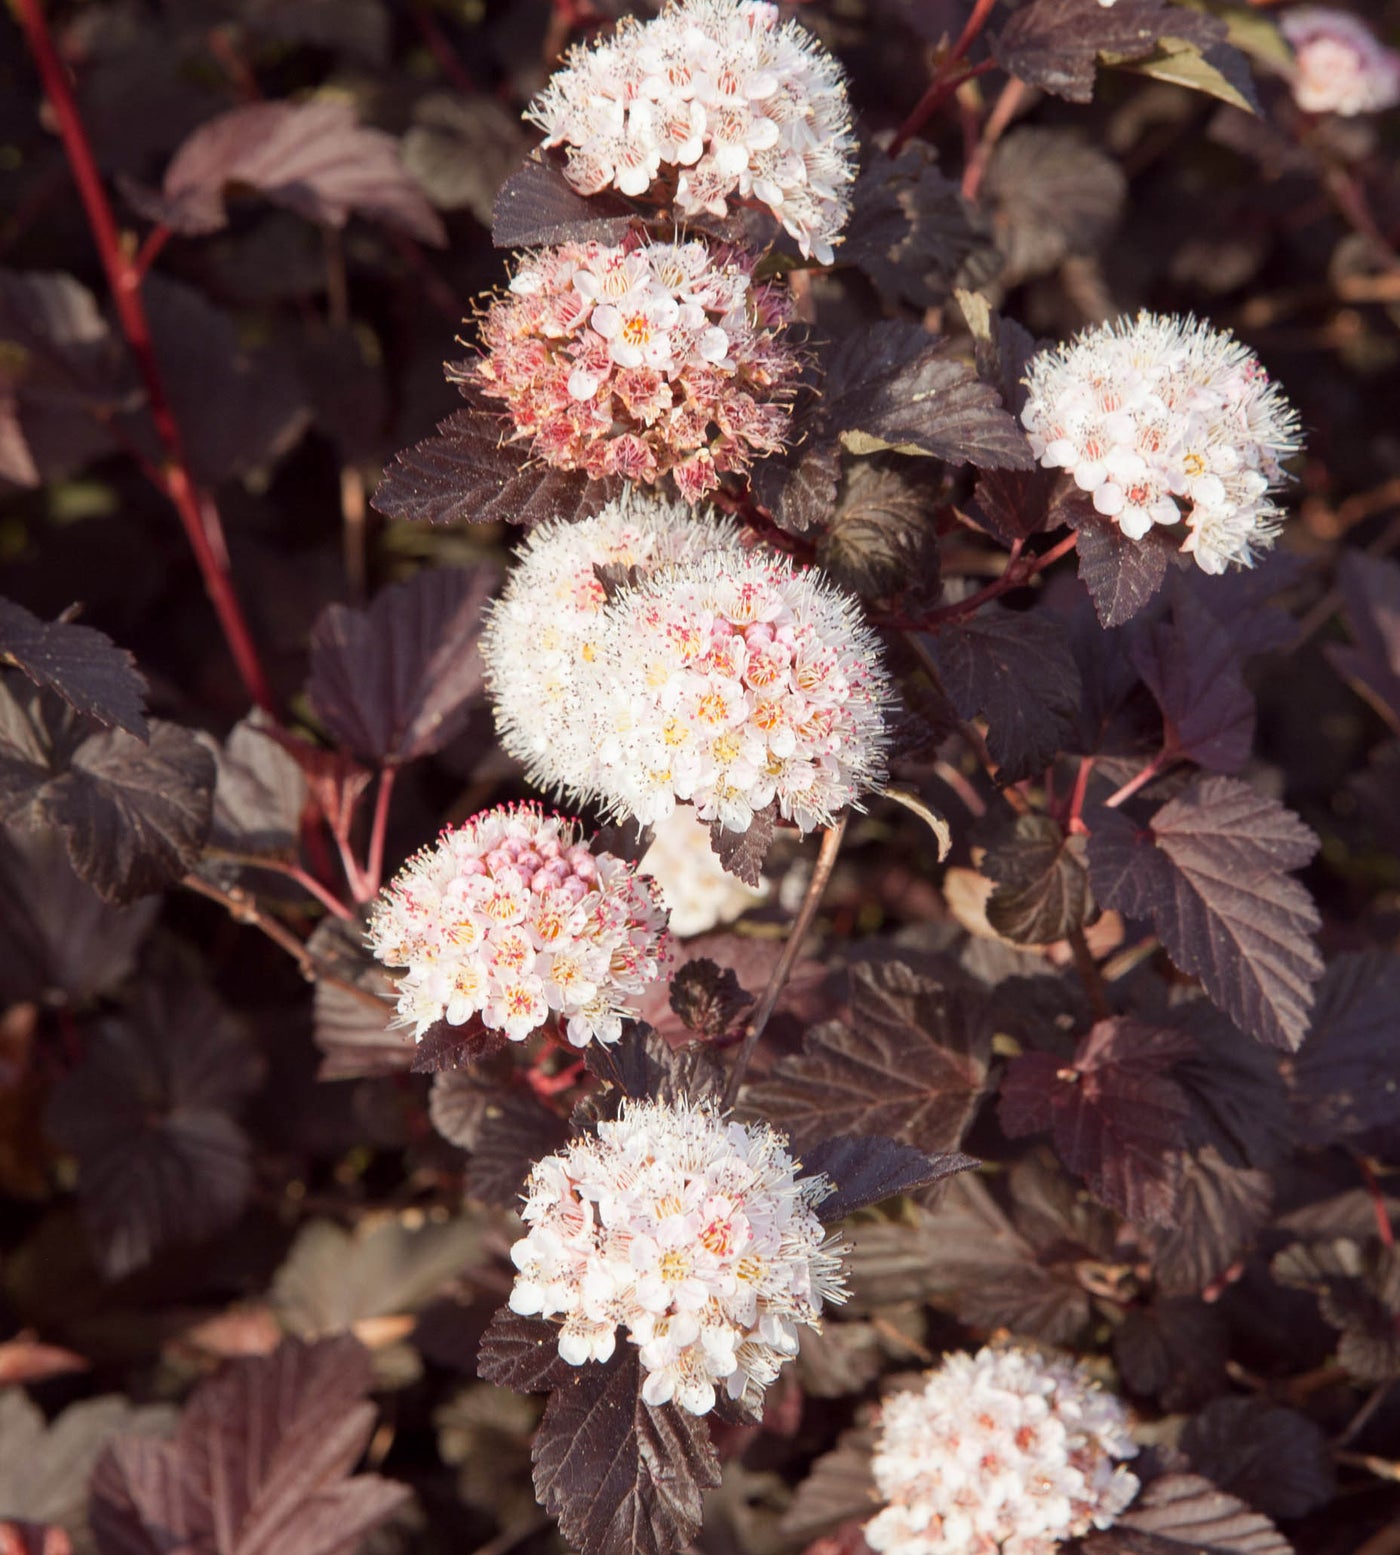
[[259, 794], [262, 1461], [1211, 875], [707, 997], [618, 1473], [149, 1114], [1221, 1209], [1015, 669], [538, 206], [134, 813], [504, 1128], [1055, 44], [644, 1066], [1116, 1114], [85, 667], [838, 1359], [1190, 664], [910, 1063], [1042, 887], [1174, 1351], [1270, 1456], [1184, 1514], [1370, 588], [468, 474], [1015, 504], [396, 682], [742, 852], [1120, 574], [840, 1486], [1346, 1077], [864, 1169], [1357, 1286], [522, 1354], [893, 386], [313, 158]]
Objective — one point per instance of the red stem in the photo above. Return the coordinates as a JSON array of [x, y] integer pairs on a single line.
[[940, 89], [124, 278], [1018, 571], [1143, 778], [308, 883], [1073, 823], [975, 23], [374, 867], [1377, 1196]]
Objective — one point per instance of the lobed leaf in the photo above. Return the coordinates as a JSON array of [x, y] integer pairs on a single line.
[[1122, 575], [1051, 195], [707, 997], [742, 852], [1346, 1077], [504, 1128], [840, 1486], [1221, 1209], [1042, 886], [1358, 1293], [522, 1354], [1270, 1456], [85, 667], [1183, 1514]]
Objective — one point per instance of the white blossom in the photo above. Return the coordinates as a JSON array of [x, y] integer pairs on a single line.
[[698, 890], [542, 633], [511, 919], [720, 94], [692, 1233], [732, 682], [1004, 1452], [1340, 66], [1164, 419]]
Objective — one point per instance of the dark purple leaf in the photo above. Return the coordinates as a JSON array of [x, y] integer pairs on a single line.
[[522, 1354], [1239, 1103], [467, 474], [1173, 1351], [1245, 601], [1271, 1457], [800, 492], [1346, 1077], [356, 27], [258, 796], [442, 1047], [505, 1129], [707, 997], [1054, 44], [910, 1065], [1017, 671], [618, 1474], [1051, 195], [1183, 1514], [353, 1030], [85, 667], [312, 157], [840, 1486], [1370, 588], [881, 540], [1042, 887], [1015, 504], [1358, 1292], [261, 1463], [865, 1169], [397, 681], [135, 815], [1190, 664], [1211, 874], [1221, 1208], [149, 1115], [838, 1359], [1121, 574], [538, 205], [1117, 1116], [893, 387], [742, 852], [643, 1065]]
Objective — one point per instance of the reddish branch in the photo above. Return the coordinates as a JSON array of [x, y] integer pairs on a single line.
[[947, 78], [196, 509], [1020, 569]]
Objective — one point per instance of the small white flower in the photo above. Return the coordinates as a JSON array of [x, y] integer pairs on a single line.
[[511, 918], [697, 889], [1163, 420], [693, 1234], [1004, 1452], [740, 102], [1340, 65]]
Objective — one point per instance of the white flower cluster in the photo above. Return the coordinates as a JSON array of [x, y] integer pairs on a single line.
[[1340, 65], [541, 636], [692, 1233], [699, 892], [511, 918], [732, 682], [1002, 1453], [733, 99], [1160, 418]]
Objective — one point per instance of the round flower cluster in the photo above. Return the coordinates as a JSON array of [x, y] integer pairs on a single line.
[[692, 1233], [699, 892], [730, 98], [732, 682], [639, 360], [1003, 1453], [510, 917], [543, 631], [1160, 418], [1340, 64]]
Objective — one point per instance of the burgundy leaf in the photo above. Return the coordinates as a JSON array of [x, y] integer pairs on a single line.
[[1270, 1456], [881, 540], [1121, 574], [840, 1486], [1051, 195], [707, 997], [616, 1472], [1117, 1117], [85, 667], [865, 1168], [1222, 1208], [1042, 887], [742, 852], [538, 206], [353, 1031], [1358, 1293], [259, 794], [910, 1065], [1371, 593], [261, 1463], [800, 493], [505, 1128], [396, 681], [1017, 671], [1211, 874], [1174, 1351], [522, 1354], [644, 1065], [443, 1048], [149, 1114], [1183, 1514], [1346, 1077], [468, 475], [312, 157]]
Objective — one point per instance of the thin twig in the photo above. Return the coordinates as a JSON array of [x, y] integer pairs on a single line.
[[1003, 112], [1017, 572], [307, 881], [374, 864], [816, 886], [1354, 1426], [940, 89], [1143, 778], [1089, 975]]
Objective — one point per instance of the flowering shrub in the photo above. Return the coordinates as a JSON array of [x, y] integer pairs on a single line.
[[724, 98], [643, 361], [694, 1235], [1164, 418], [1340, 65], [1001, 1453], [511, 919]]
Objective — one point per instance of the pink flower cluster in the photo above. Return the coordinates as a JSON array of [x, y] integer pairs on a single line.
[[1341, 66], [511, 918], [640, 360]]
